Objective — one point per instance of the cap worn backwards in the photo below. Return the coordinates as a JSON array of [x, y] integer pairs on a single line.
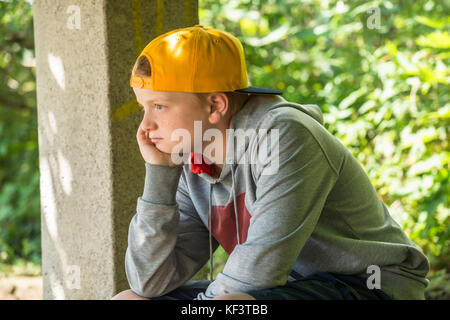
[[197, 59]]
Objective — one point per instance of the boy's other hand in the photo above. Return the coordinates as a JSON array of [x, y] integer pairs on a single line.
[[150, 153]]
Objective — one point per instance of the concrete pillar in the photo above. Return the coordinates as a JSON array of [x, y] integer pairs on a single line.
[[90, 165]]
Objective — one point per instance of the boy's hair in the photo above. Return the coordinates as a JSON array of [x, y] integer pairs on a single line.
[[142, 68]]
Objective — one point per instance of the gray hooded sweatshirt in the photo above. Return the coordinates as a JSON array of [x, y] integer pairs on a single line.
[[306, 207]]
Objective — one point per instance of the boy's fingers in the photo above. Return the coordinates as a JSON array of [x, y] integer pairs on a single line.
[[141, 133]]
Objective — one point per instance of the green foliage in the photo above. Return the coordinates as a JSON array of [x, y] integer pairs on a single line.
[[19, 170], [439, 287], [381, 82]]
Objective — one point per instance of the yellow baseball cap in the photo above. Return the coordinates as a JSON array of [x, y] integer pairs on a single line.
[[197, 59]]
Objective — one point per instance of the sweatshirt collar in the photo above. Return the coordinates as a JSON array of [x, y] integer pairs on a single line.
[[205, 170]]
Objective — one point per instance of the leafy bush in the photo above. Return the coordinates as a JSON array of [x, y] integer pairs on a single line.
[[378, 70], [20, 235]]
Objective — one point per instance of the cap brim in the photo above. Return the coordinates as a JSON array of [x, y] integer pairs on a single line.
[[259, 90]]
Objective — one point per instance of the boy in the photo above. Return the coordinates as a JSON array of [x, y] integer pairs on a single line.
[[304, 223]]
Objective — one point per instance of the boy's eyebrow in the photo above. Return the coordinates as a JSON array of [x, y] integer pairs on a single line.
[[142, 105], [152, 100]]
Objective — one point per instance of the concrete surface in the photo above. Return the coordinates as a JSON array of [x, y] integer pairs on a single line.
[[90, 165]]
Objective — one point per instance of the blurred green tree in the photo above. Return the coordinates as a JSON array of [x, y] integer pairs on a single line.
[[19, 168], [379, 72]]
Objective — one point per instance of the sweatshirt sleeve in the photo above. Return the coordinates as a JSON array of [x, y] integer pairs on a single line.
[[167, 242], [288, 204]]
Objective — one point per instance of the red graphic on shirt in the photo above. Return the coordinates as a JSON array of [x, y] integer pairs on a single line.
[[224, 223], [202, 164]]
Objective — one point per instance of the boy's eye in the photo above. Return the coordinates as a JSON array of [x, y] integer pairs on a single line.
[[157, 106]]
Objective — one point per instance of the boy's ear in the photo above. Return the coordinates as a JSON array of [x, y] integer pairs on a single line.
[[218, 106]]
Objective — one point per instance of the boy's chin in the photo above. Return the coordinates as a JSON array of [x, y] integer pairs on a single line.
[[176, 155]]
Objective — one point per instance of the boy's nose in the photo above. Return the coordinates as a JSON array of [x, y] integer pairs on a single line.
[[149, 124]]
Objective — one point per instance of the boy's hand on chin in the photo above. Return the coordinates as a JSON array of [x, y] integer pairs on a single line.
[[151, 154]]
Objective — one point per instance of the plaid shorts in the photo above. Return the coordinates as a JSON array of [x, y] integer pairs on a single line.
[[318, 286]]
